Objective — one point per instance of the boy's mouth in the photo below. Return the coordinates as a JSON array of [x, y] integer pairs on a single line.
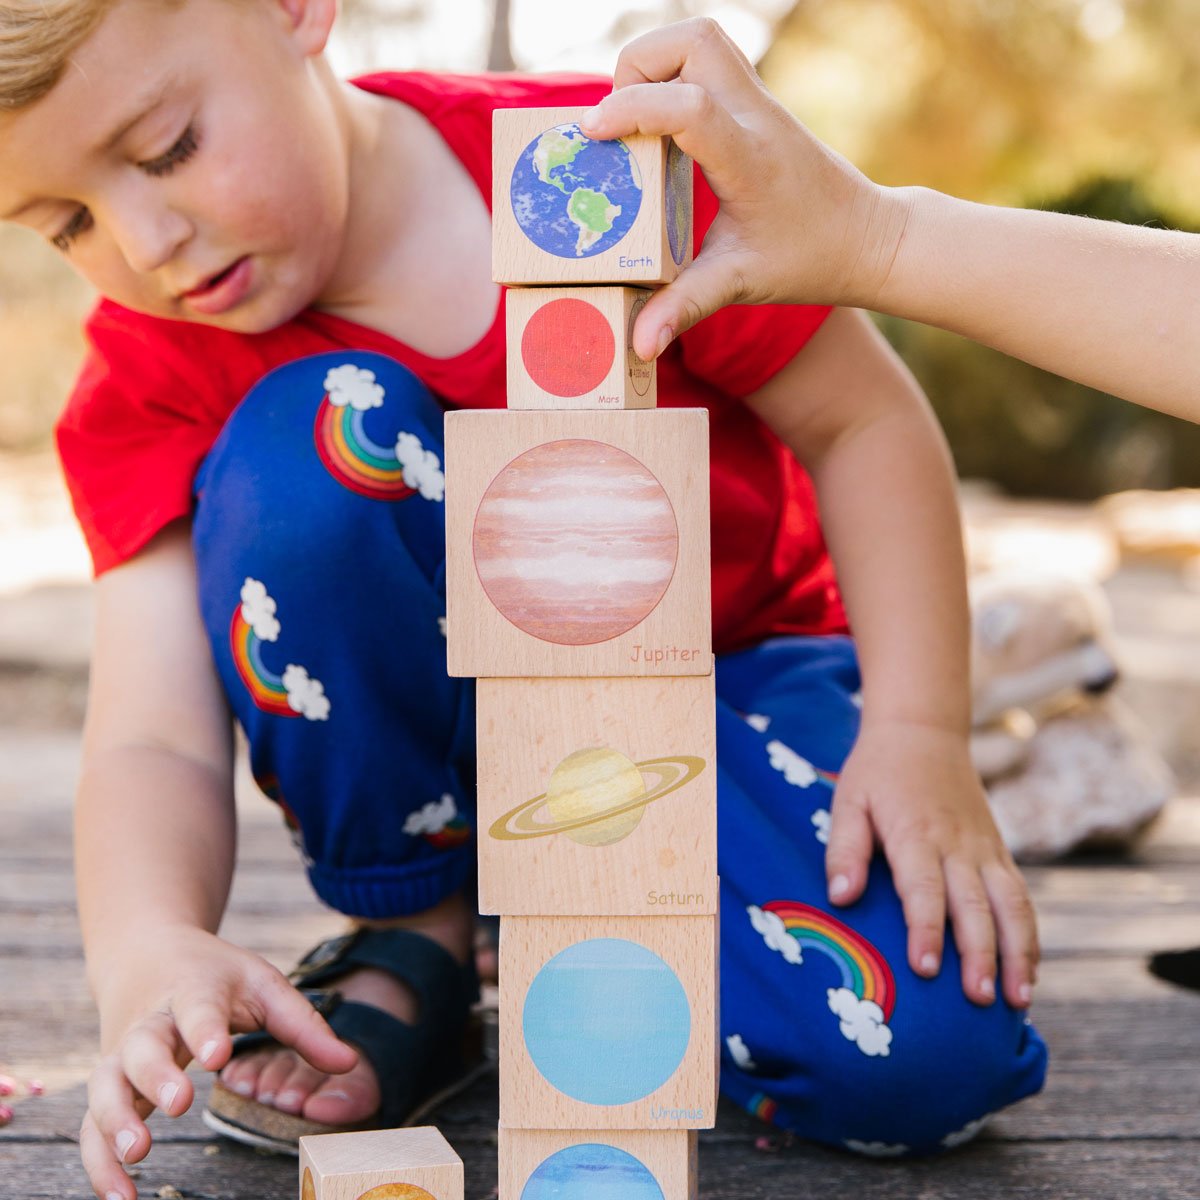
[[220, 291]]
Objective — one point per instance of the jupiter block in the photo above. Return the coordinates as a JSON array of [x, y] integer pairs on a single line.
[[578, 543], [608, 1023], [542, 1164], [573, 348], [566, 209], [385, 1164], [597, 796]]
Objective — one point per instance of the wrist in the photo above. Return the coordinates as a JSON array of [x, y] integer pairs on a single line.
[[885, 217]]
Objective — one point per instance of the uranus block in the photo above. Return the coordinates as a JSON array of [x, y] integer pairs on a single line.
[[567, 209], [382, 1164], [573, 348], [608, 1022], [608, 1164], [577, 543], [597, 796]]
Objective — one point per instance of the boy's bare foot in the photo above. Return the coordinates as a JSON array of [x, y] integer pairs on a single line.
[[281, 1078]]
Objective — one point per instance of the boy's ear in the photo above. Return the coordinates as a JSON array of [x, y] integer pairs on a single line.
[[311, 22]]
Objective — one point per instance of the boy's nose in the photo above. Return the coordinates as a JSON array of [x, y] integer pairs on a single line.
[[149, 232]]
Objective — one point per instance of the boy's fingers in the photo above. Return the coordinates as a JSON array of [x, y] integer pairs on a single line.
[[851, 843], [292, 1021], [148, 1061], [974, 930], [921, 886], [204, 1029], [695, 49], [1016, 924], [117, 1114], [101, 1163]]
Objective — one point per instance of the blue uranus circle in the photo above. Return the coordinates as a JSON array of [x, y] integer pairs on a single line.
[[591, 1172], [606, 1021]]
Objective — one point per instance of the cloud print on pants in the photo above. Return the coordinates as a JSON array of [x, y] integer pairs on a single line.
[[796, 770], [861, 1022], [258, 610], [432, 818], [422, 468], [353, 386], [770, 925], [305, 694], [740, 1052]]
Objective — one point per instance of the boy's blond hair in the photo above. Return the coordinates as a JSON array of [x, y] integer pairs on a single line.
[[37, 39]]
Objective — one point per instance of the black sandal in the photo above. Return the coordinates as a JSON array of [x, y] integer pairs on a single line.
[[418, 1066]]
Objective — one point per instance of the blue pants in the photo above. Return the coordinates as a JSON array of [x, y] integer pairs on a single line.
[[320, 544]]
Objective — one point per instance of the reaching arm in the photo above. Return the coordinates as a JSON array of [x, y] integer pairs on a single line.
[[1113, 306]]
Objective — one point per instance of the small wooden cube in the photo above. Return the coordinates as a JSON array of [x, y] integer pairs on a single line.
[[577, 543], [382, 1164], [567, 209], [573, 348], [557, 1164], [597, 796], [608, 1022]]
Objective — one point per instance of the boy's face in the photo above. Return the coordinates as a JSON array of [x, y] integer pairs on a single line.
[[189, 162]]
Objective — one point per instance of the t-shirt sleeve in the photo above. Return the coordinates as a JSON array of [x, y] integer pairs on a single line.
[[135, 429], [742, 346]]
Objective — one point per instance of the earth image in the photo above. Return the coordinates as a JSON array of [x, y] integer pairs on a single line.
[[574, 197]]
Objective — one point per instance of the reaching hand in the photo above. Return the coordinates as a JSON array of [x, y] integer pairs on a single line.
[[914, 790], [177, 1000]]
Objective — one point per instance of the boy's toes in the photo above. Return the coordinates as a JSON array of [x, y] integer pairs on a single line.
[[242, 1074], [275, 1078], [296, 1087], [343, 1099]]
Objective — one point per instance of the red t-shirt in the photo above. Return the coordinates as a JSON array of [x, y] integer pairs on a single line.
[[153, 395]]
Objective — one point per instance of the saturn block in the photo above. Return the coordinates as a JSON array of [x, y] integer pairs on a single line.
[[555, 1164], [608, 1022], [597, 796], [384, 1164], [577, 543], [566, 209], [573, 348]]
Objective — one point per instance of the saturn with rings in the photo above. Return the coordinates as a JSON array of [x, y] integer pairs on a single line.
[[597, 796]]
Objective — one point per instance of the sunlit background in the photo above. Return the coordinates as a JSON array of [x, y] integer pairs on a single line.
[[1081, 105]]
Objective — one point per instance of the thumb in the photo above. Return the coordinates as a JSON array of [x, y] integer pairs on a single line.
[[709, 283]]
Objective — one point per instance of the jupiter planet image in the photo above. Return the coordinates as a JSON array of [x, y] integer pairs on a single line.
[[575, 542], [396, 1191]]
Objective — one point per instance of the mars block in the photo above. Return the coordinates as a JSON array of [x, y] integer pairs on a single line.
[[566, 209], [578, 543], [597, 796], [573, 348], [608, 1022], [553, 1164], [384, 1164]]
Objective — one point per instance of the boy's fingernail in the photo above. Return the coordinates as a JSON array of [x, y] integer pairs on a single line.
[[987, 987], [113, 1196], [929, 964], [664, 340], [125, 1141], [839, 886], [1025, 992], [166, 1096], [207, 1051]]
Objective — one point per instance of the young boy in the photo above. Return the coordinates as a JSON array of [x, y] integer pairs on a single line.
[[279, 251]]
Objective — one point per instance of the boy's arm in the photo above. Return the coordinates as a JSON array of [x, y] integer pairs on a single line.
[[854, 416], [1110, 305], [155, 837]]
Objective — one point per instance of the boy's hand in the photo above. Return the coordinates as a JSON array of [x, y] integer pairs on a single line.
[[914, 789], [797, 223], [176, 1000]]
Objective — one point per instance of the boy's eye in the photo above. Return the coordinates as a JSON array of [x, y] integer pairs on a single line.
[[179, 153], [80, 222]]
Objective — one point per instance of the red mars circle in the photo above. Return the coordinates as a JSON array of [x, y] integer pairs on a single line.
[[568, 347]]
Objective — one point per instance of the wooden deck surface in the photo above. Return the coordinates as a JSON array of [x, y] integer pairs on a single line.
[[1120, 1116]]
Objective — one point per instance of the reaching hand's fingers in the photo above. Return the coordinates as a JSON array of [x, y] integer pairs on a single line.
[[974, 930], [150, 1060], [117, 1115], [917, 873], [1016, 923], [291, 1020], [684, 50], [102, 1164], [848, 854]]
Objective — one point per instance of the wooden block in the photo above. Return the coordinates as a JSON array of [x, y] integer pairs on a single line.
[[383, 1164], [573, 348], [578, 543], [597, 796], [608, 1022], [556, 1164], [566, 209]]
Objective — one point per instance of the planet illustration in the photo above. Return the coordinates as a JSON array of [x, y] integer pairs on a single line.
[[574, 197], [568, 347], [606, 1021], [575, 542], [678, 203], [591, 1171], [308, 1189], [397, 1191], [596, 797]]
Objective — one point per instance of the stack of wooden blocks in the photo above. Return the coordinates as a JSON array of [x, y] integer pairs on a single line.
[[578, 585]]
